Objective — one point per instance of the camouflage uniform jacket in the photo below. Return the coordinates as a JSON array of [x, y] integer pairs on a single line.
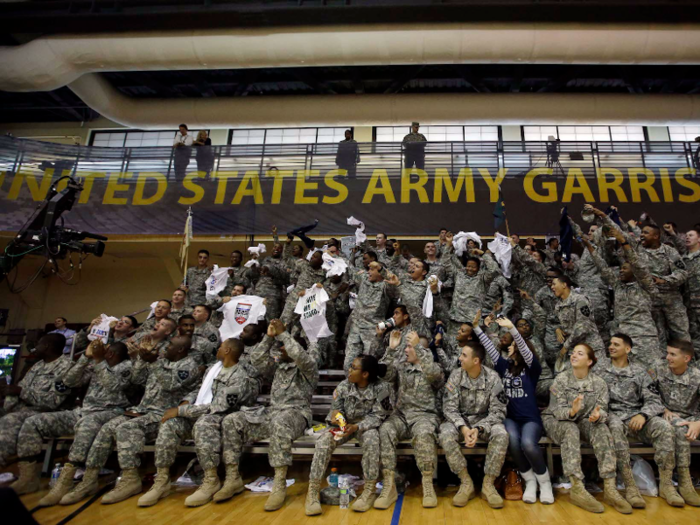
[[107, 385], [166, 382], [474, 402], [366, 408]]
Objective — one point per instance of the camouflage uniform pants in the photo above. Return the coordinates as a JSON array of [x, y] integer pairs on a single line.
[[206, 431], [10, 425], [656, 432], [451, 437], [682, 445], [83, 427], [281, 427], [569, 434], [360, 340], [671, 317], [694, 329], [130, 435], [423, 433], [551, 345], [325, 445]]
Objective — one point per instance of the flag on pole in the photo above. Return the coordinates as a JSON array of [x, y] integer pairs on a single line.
[[186, 240], [499, 211]]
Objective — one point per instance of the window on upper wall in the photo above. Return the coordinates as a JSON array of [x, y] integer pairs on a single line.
[[439, 133], [135, 139], [585, 133], [286, 136], [683, 133]]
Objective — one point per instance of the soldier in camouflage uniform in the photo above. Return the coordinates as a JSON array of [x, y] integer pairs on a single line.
[[272, 278], [417, 416], [194, 281], [634, 289], [294, 377], [679, 387], [471, 284], [500, 292], [365, 402], [178, 306], [474, 405], [410, 287], [577, 324], [578, 410], [634, 410], [155, 340], [238, 275], [546, 299], [414, 148], [107, 371], [371, 308], [205, 339], [167, 381], [161, 311], [41, 390], [233, 387], [308, 273], [531, 272], [119, 332], [691, 289]]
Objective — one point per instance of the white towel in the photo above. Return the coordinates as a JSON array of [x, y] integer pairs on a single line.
[[333, 265], [428, 299], [360, 235], [257, 250], [311, 252], [205, 395], [460, 241], [153, 310], [502, 251], [216, 282]]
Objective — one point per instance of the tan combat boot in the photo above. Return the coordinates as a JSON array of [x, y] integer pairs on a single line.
[[62, 487], [29, 478], [87, 487], [490, 494], [613, 498], [667, 490], [128, 485], [429, 497], [367, 498], [279, 490], [233, 484], [389, 495], [210, 486], [313, 503], [632, 494], [686, 489], [159, 490], [580, 497], [466, 490]]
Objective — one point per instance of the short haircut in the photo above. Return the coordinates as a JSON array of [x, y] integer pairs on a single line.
[[236, 345], [172, 322], [371, 254], [625, 338], [402, 307], [476, 260], [64, 319], [183, 126], [134, 322], [443, 230], [206, 307], [120, 350], [425, 265], [550, 241], [239, 284], [203, 251], [56, 342], [179, 290], [186, 317], [653, 227], [384, 234], [239, 252], [566, 280], [685, 347], [477, 350], [170, 304], [556, 270]]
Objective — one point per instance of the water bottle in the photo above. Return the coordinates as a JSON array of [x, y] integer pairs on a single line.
[[344, 496], [333, 478], [55, 473]]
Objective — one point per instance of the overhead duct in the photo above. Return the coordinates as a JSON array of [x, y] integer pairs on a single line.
[[51, 62], [363, 110]]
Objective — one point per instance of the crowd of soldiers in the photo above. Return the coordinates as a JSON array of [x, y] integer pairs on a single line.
[[611, 336]]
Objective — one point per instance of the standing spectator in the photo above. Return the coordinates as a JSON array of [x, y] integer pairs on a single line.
[[414, 148], [194, 282], [61, 324], [183, 151], [348, 156], [204, 154]]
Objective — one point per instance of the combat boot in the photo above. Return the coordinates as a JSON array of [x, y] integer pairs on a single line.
[[279, 490], [62, 487], [466, 490], [490, 494], [128, 485], [29, 478], [686, 489], [87, 487], [233, 484], [367, 498], [429, 497], [389, 495], [159, 490], [632, 494], [667, 490], [313, 504], [613, 498], [210, 486], [580, 497]]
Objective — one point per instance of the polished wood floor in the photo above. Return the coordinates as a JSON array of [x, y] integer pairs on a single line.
[[248, 508]]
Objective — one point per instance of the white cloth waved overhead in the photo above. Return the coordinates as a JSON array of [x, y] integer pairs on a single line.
[[239, 312], [216, 282], [205, 395], [312, 308], [311, 252], [101, 329], [428, 299], [360, 235], [460, 241], [502, 251], [333, 265]]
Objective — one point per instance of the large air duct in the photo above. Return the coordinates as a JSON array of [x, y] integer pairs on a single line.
[[373, 110], [51, 62]]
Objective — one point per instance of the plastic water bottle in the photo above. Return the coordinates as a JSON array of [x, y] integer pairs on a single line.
[[344, 495], [55, 473], [333, 478]]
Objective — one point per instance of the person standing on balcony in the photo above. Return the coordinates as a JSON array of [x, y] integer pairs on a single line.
[[204, 154], [348, 156], [183, 151], [414, 148]]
